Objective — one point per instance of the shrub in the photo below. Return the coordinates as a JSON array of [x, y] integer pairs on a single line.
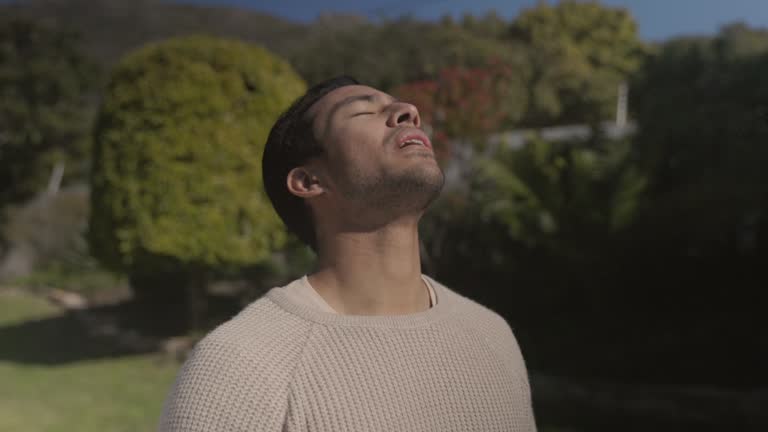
[[176, 181]]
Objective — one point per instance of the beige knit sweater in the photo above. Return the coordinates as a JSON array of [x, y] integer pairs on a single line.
[[282, 366]]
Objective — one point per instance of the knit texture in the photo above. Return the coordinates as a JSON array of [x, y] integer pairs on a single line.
[[282, 366]]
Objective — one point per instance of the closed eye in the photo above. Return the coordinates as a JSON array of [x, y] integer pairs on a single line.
[[363, 113]]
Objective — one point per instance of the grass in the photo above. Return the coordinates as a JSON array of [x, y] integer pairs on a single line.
[[85, 278], [85, 389], [78, 393]]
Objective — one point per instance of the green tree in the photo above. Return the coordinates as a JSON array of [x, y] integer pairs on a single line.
[[738, 40], [559, 196], [176, 179], [490, 25], [388, 54], [703, 124], [694, 257], [45, 112], [579, 53]]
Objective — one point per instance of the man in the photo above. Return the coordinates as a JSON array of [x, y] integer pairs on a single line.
[[366, 342]]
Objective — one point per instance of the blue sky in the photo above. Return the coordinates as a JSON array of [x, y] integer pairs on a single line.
[[658, 19]]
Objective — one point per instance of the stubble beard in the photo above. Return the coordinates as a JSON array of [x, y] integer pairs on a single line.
[[412, 190]]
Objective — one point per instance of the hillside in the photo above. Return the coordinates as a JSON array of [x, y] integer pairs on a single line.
[[110, 28]]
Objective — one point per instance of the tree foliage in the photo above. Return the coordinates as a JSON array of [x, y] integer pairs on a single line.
[[177, 161], [673, 227], [701, 106], [467, 104], [576, 243], [490, 25], [559, 196], [45, 84], [579, 53], [391, 53], [112, 28]]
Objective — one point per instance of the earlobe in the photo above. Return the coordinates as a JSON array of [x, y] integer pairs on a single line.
[[302, 183]]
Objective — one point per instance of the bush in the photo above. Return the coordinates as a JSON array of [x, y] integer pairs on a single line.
[[176, 181], [177, 159]]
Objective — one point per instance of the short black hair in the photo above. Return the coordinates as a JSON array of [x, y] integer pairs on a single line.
[[291, 143]]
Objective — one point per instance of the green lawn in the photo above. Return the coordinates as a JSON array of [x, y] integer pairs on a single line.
[[78, 391]]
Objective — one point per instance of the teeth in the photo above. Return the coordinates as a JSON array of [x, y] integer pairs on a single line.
[[414, 141]]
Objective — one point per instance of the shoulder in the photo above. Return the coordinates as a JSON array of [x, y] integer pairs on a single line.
[[238, 376], [260, 327], [469, 310], [482, 320], [492, 328]]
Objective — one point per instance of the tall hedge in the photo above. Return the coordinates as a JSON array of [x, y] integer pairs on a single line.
[[176, 177]]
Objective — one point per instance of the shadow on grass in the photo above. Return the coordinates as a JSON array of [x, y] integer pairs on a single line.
[[106, 331], [66, 338]]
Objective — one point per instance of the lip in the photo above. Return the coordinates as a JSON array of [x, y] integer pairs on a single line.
[[413, 134]]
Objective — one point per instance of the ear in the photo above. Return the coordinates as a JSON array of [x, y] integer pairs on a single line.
[[303, 183]]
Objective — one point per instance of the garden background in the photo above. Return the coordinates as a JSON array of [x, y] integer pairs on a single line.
[[606, 194]]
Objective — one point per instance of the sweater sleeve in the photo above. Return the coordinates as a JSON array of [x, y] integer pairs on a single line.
[[512, 348], [220, 388]]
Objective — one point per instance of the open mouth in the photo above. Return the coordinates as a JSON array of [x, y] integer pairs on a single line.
[[415, 139]]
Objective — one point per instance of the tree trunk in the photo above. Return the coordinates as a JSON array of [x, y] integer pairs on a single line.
[[158, 303], [197, 285]]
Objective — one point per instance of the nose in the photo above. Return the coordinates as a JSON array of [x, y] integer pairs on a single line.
[[403, 114]]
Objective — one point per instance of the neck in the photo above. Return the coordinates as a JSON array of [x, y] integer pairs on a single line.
[[372, 273]]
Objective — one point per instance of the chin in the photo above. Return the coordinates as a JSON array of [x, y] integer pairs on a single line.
[[410, 189], [422, 187]]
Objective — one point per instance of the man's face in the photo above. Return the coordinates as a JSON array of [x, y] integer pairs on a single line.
[[376, 155]]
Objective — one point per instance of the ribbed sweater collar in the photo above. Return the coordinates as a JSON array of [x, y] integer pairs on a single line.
[[446, 302]]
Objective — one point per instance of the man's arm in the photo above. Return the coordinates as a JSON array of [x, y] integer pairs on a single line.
[[220, 388]]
